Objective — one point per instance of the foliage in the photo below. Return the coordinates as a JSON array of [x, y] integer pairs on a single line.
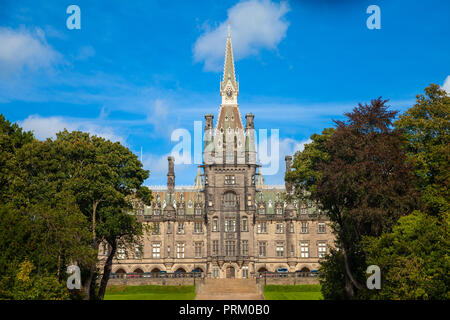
[[32, 287], [59, 199], [426, 127], [358, 174], [413, 259], [305, 173]]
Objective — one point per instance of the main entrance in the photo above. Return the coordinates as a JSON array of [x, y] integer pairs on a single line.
[[230, 272]]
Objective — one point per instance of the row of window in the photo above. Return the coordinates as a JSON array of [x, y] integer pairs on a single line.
[[230, 249], [230, 226], [180, 212]]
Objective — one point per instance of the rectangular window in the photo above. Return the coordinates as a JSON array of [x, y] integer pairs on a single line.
[[262, 227], [168, 251], [157, 212], [280, 228], [244, 272], [230, 248], [215, 272], [180, 229], [156, 228], [321, 228], [304, 227], [181, 212], [180, 250], [249, 200], [198, 249], [304, 249], [198, 227], [262, 248], [215, 247], [292, 250], [291, 227], [244, 226], [138, 251], [230, 180], [156, 251], [244, 247], [280, 249], [279, 211], [215, 225], [198, 212], [121, 252], [322, 248], [169, 227], [230, 225]]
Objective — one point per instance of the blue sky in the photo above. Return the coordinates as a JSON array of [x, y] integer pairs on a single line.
[[137, 70]]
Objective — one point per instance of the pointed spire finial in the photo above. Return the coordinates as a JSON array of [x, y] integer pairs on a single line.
[[229, 28]]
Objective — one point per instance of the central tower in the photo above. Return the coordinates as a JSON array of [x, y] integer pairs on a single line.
[[229, 164]]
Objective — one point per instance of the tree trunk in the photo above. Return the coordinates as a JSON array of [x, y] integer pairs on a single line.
[[107, 271], [352, 282], [89, 285]]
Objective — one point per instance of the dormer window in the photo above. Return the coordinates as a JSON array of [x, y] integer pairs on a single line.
[[190, 204]]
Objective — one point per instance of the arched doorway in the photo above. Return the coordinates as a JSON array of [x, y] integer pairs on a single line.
[[304, 272], [139, 272], [155, 272], [120, 273], [180, 272], [230, 272]]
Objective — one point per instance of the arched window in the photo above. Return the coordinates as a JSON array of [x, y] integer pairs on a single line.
[[230, 199]]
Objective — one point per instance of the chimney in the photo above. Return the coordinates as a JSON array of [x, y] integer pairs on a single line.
[[288, 185], [171, 176], [249, 121]]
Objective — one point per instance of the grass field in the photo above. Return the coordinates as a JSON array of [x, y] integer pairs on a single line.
[[298, 292], [150, 293]]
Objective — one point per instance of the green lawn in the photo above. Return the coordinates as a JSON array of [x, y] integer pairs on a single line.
[[150, 293], [298, 292]]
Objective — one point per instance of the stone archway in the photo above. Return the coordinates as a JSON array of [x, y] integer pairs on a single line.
[[120, 273], [230, 272]]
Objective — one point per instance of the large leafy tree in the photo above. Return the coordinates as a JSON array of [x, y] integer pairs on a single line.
[[102, 175], [306, 173], [362, 180], [63, 198], [426, 127], [414, 257], [40, 222]]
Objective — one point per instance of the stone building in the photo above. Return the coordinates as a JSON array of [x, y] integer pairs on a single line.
[[229, 223]]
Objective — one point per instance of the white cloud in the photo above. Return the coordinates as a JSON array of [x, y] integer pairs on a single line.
[[47, 127], [22, 49], [446, 85], [255, 25]]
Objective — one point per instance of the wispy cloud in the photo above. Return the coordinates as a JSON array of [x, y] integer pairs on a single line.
[[255, 25], [47, 127], [25, 50]]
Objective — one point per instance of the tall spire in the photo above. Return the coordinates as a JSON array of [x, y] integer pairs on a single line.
[[229, 88], [228, 69]]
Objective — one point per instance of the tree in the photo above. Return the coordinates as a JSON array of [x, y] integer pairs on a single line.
[[426, 127], [363, 182], [305, 173], [414, 257], [102, 174], [63, 197]]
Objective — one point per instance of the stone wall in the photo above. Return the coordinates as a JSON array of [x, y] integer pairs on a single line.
[[153, 281]]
